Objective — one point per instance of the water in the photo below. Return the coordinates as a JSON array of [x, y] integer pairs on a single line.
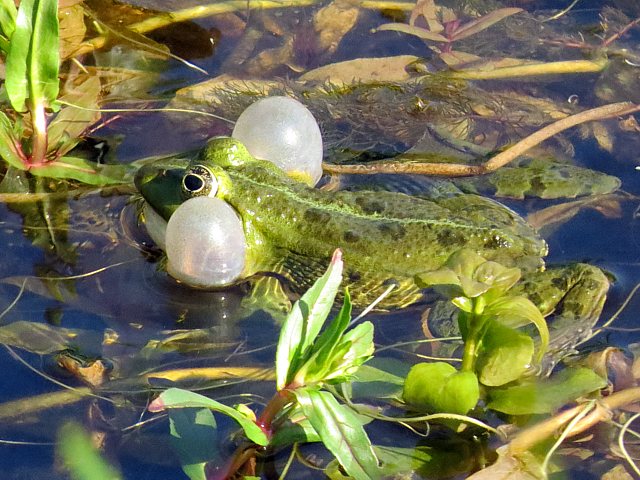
[[128, 304]]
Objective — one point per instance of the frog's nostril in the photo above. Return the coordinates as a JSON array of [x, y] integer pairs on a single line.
[[193, 183]]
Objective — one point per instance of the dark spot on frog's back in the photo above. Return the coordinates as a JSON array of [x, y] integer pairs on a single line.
[[450, 236], [370, 206], [395, 231], [316, 215], [350, 236]]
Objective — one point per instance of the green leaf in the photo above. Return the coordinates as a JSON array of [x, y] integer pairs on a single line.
[[341, 432], [33, 58], [424, 461], [439, 387], [484, 22], [356, 347], [546, 395], [194, 437], [10, 143], [302, 325], [44, 57], [80, 457], [518, 311], [85, 171], [328, 341], [295, 429], [16, 79], [504, 356], [8, 15], [178, 398]]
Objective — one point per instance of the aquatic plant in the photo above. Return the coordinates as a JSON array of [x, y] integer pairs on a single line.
[[302, 410]]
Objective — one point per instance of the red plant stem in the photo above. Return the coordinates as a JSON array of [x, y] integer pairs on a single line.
[[275, 406], [243, 454]]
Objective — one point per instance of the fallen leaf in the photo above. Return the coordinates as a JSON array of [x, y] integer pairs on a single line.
[[385, 69]]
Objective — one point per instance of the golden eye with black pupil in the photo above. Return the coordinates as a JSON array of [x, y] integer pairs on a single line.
[[199, 181]]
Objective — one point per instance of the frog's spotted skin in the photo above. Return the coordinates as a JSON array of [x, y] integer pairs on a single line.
[[292, 229]]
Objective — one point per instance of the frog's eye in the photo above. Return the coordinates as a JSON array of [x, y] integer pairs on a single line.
[[199, 181]]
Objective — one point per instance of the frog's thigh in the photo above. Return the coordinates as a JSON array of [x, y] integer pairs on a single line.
[[575, 294]]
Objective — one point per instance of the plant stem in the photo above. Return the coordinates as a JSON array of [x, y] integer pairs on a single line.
[[39, 150], [277, 403]]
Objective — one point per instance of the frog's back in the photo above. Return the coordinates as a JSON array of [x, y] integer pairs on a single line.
[[384, 235]]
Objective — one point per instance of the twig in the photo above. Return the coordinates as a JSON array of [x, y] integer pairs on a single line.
[[498, 161]]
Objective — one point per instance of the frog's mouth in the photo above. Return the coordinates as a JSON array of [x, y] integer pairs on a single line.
[[203, 237], [160, 187]]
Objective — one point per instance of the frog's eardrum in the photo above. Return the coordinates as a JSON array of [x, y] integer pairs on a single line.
[[205, 243], [283, 131]]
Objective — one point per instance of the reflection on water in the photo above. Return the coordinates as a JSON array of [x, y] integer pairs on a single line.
[[77, 259]]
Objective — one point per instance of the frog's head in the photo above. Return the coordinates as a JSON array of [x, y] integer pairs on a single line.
[[166, 188], [186, 215]]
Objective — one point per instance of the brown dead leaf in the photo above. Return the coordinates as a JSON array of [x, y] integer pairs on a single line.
[[428, 11], [510, 467], [607, 205], [617, 473], [72, 30], [484, 22], [333, 22], [603, 136], [94, 373], [385, 69]]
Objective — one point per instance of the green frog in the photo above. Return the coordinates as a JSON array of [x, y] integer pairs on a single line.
[[292, 229]]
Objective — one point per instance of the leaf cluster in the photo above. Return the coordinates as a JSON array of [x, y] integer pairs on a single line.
[[307, 359], [30, 43]]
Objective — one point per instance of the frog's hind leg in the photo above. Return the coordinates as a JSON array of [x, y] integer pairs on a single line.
[[575, 294]]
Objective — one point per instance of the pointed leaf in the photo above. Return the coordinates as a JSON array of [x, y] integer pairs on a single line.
[[16, 80], [546, 395], [178, 398], [9, 143], [8, 15], [66, 129], [320, 359], [44, 56], [419, 32], [85, 171], [484, 22], [304, 322], [358, 343], [341, 432]]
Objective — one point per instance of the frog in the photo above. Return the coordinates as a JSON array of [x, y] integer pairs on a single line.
[[386, 237]]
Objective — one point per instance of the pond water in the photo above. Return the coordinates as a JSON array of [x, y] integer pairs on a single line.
[[79, 273]]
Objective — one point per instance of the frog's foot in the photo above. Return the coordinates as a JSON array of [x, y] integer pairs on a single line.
[[575, 294], [267, 294]]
